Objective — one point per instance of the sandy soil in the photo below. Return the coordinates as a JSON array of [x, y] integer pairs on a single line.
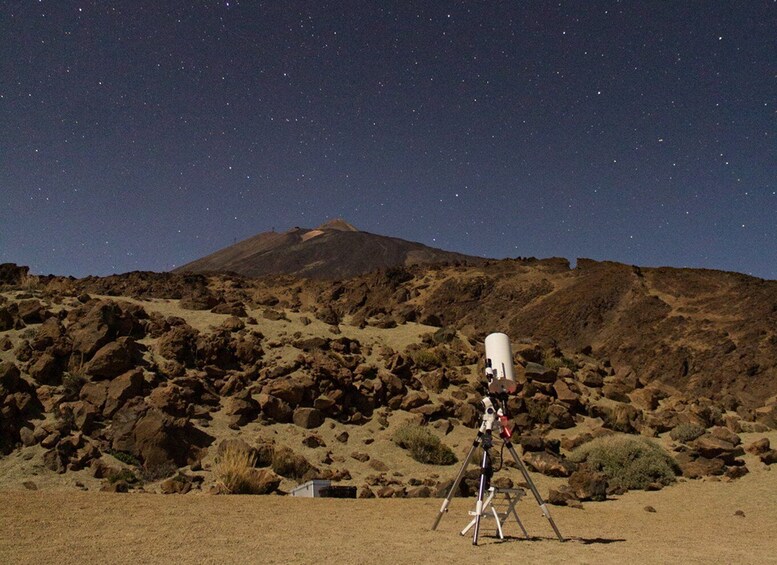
[[694, 522]]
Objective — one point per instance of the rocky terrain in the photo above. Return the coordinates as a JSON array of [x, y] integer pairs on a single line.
[[139, 381]]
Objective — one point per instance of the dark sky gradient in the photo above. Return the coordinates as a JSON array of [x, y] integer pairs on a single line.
[[137, 136]]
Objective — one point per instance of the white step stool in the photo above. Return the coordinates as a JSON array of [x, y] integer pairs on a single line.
[[499, 505]]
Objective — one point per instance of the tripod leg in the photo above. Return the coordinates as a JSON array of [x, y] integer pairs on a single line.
[[533, 488], [455, 486], [485, 469]]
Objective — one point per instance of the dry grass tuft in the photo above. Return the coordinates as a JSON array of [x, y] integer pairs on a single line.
[[234, 470]]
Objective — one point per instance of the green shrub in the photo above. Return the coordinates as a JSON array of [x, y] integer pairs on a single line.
[[424, 446], [71, 385], [686, 432], [426, 359], [559, 362], [629, 462], [124, 457], [123, 475]]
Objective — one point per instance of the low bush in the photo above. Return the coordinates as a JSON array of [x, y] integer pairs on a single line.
[[423, 445], [156, 472], [559, 362], [287, 463], [234, 470], [686, 432], [124, 457], [426, 359], [123, 475], [629, 462]]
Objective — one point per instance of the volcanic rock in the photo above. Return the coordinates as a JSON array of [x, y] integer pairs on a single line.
[[759, 446], [540, 373], [118, 391], [588, 484], [47, 369], [548, 463], [32, 311], [113, 359], [307, 417], [242, 408]]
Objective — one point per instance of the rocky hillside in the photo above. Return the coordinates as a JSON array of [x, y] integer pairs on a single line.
[[143, 376], [334, 250]]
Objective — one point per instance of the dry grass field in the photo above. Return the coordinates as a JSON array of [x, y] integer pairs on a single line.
[[693, 522]]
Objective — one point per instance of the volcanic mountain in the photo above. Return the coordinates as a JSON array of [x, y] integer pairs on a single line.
[[334, 250]]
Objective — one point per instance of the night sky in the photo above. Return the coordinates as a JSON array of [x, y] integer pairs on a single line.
[[141, 135]]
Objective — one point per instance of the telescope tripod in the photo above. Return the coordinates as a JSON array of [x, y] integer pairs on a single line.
[[484, 440]]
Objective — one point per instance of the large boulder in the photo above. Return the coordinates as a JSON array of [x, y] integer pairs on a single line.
[[33, 311], [9, 318], [13, 274], [619, 416], [291, 390], [711, 447], [9, 376], [695, 468], [646, 398], [179, 344], [560, 417], [47, 369], [83, 414], [274, 408], [242, 408], [95, 392], [161, 440], [414, 399], [169, 398], [565, 394], [48, 333], [308, 418], [94, 325], [587, 484], [121, 389], [540, 373], [113, 359]]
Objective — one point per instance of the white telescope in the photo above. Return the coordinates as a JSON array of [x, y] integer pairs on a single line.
[[499, 364]]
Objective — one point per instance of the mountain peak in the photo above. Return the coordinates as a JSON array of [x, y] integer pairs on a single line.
[[337, 224], [333, 250]]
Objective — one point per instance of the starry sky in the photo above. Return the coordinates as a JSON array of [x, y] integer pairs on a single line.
[[142, 135]]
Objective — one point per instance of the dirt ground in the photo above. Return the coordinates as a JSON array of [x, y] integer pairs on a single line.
[[693, 522]]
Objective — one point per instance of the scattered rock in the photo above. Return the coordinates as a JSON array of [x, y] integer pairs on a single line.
[[548, 463], [308, 417], [759, 446]]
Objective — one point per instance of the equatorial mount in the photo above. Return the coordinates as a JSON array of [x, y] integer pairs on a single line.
[[501, 383]]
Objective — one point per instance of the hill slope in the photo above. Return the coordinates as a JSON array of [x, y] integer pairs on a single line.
[[334, 250]]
